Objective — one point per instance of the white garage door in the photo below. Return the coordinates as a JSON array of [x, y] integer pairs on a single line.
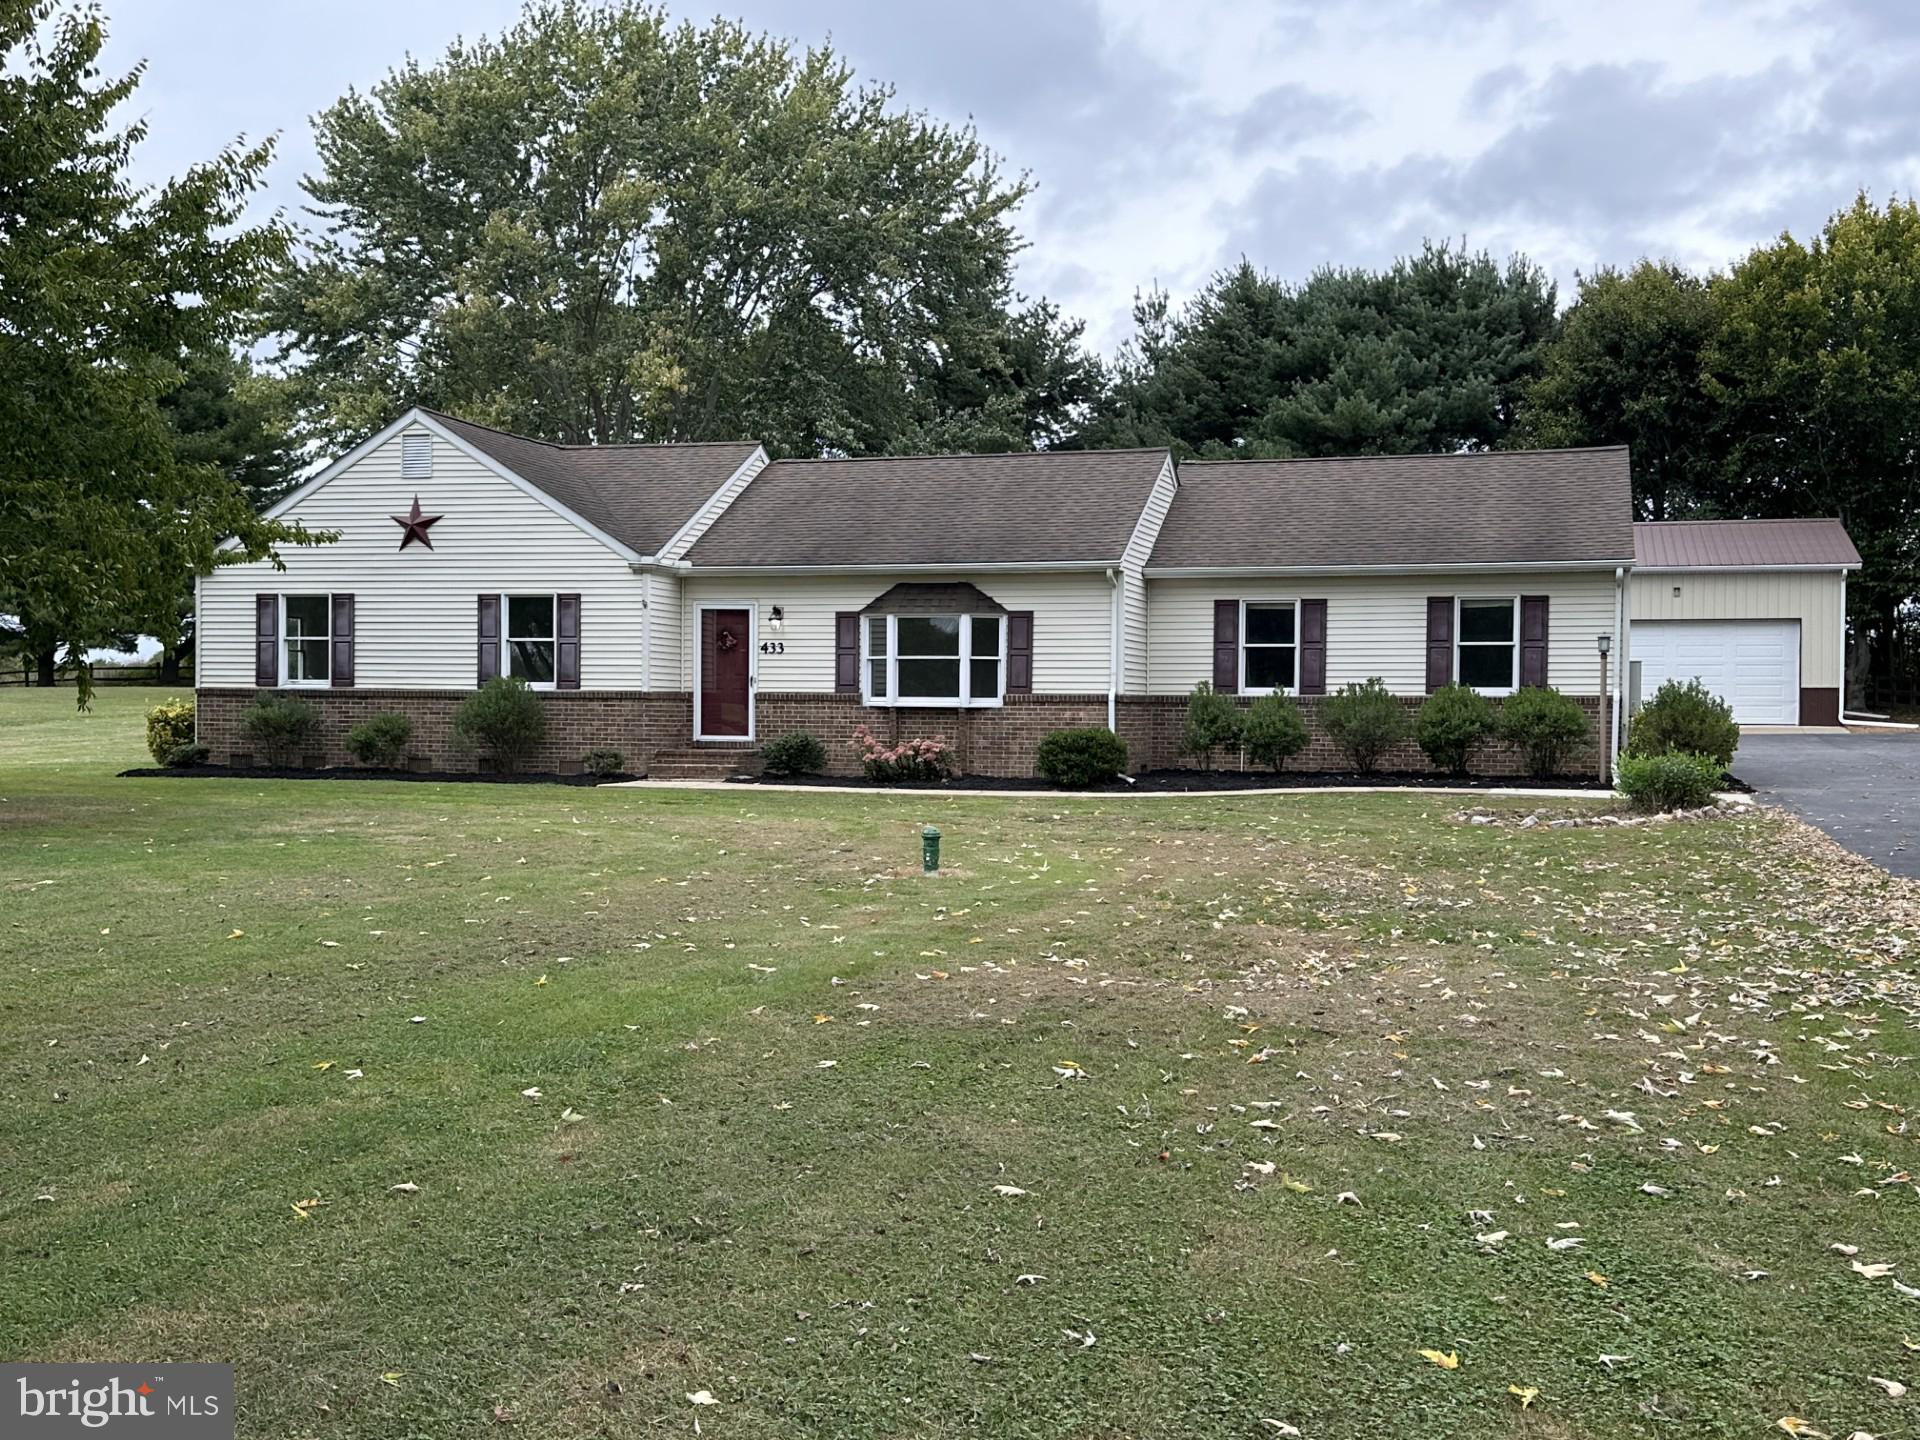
[[1752, 664]]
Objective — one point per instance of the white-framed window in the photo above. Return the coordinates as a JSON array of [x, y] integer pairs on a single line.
[[935, 659], [530, 635], [1487, 643], [1269, 646], [306, 652]]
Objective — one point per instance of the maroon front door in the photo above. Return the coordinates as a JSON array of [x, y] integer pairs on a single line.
[[726, 673]]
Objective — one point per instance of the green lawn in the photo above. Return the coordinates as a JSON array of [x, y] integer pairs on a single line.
[[802, 1137]]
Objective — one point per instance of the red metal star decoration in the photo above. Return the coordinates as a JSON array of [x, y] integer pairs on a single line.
[[415, 525]]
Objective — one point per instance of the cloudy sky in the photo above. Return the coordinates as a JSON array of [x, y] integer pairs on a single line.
[[1167, 140]]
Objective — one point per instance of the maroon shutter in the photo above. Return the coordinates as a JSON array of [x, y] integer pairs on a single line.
[[1439, 642], [1313, 647], [1533, 640], [1019, 652], [566, 648], [846, 652], [266, 640], [1226, 646], [342, 666], [489, 638]]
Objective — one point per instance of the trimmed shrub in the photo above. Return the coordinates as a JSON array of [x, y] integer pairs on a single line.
[[1453, 721], [798, 752], [1078, 758], [1366, 721], [895, 764], [169, 726], [1686, 719], [604, 760], [1273, 731], [1673, 781], [1213, 720], [504, 719], [381, 741], [1545, 726], [280, 727], [185, 755]]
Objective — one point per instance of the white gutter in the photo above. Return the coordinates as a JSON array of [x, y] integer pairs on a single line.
[[996, 567], [1733, 569], [1115, 651], [1206, 572]]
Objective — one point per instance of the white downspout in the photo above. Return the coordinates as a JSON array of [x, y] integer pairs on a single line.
[[1115, 653], [1622, 617], [646, 632]]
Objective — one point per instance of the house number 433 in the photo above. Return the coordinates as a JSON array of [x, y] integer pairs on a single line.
[[773, 647]]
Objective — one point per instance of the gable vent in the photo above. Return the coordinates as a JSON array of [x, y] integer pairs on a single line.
[[416, 456]]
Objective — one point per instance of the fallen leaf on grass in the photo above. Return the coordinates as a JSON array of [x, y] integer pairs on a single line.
[[532, 1092], [1794, 1425], [1565, 1242], [393, 1378], [1446, 1360], [701, 1397], [1527, 1394], [1008, 1191], [1876, 1271], [1028, 1279], [1597, 1278], [571, 1116], [1279, 1427], [1893, 1388], [235, 934], [405, 1187]]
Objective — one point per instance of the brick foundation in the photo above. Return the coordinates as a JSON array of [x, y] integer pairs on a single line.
[[999, 741]]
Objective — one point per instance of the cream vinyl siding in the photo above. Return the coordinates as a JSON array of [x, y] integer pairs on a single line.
[[703, 519], [1134, 582], [1813, 597], [1072, 622], [415, 610], [665, 633], [1377, 624]]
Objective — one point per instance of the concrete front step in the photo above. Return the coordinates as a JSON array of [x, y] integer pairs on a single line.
[[705, 762], [687, 770]]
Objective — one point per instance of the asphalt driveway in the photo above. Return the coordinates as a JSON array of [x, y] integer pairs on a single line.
[[1863, 789]]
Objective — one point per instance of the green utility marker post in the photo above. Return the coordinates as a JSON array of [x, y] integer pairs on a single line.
[[930, 850]]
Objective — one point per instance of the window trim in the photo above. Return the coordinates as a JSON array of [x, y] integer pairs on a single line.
[[1513, 602], [287, 682], [552, 598], [966, 700], [1293, 686]]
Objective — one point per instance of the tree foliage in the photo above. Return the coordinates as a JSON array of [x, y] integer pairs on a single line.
[[603, 227], [1430, 354], [1625, 369], [104, 289]]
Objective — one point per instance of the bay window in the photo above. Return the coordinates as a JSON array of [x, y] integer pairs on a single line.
[[935, 659]]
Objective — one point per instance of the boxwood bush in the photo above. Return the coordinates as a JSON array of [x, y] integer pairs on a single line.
[[1452, 723], [1544, 726], [1685, 719], [1273, 731], [279, 727], [169, 726], [1213, 720], [1366, 721], [1078, 758], [381, 741], [1675, 780], [503, 719], [798, 752], [603, 760]]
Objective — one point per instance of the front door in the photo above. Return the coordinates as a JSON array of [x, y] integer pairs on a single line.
[[726, 674]]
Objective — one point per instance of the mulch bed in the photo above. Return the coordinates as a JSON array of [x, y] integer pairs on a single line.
[[1201, 781], [345, 772]]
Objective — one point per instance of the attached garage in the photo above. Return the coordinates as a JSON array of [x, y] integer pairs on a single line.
[[1755, 609]]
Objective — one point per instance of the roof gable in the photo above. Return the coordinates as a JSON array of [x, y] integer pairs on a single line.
[[1498, 507], [640, 495], [1050, 507]]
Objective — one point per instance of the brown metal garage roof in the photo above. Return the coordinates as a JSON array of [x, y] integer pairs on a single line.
[[1742, 544]]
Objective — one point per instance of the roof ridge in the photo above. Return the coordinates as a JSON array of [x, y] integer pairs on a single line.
[[964, 455], [562, 445], [1754, 520], [1409, 455]]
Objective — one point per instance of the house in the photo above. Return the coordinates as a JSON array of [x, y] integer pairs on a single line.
[[1757, 609], [683, 603]]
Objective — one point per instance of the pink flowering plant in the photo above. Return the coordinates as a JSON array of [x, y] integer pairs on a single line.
[[891, 763]]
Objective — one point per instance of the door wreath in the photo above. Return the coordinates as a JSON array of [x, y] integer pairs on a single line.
[[725, 641]]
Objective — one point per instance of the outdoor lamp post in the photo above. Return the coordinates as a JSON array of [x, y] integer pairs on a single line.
[[1605, 642]]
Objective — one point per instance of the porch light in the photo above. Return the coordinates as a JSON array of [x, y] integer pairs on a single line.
[[776, 618], [1606, 643]]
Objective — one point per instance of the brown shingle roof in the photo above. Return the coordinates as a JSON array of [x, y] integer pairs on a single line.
[[1519, 507], [1689, 544], [639, 494], [951, 598], [1038, 508]]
